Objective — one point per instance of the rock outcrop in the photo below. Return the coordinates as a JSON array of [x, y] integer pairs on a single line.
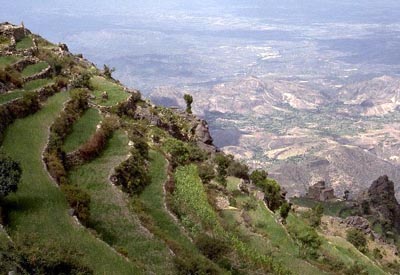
[[380, 201], [359, 223]]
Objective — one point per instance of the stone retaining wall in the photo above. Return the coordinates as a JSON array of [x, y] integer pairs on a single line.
[[43, 74]]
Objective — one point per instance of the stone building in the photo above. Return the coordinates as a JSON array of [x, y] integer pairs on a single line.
[[320, 191]]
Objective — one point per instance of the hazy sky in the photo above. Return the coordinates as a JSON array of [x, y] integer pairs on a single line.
[[183, 38]]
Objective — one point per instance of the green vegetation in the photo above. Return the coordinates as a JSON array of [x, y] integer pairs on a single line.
[[112, 215], [104, 208], [82, 130], [284, 211], [223, 163], [24, 43], [307, 239], [11, 77], [38, 83], [189, 100], [115, 92], [279, 243], [4, 98], [10, 175], [29, 86], [132, 174], [34, 69], [331, 208], [191, 203], [182, 153], [4, 42], [39, 207], [7, 60], [272, 192], [153, 202], [314, 215], [357, 238]]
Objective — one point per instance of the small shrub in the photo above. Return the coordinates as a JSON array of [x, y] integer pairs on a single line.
[[258, 176], [307, 239], [55, 167], [376, 253], [272, 192], [132, 174], [11, 75], [10, 175], [94, 146], [178, 151], [46, 258], [355, 268], [190, 264], [189, 100], [82, 80], [284, 211], [212, 247], [239, 170], [314, 215], [223, 161], [195, 153], [357, 238], [140, 142], [79, 200], [250, 204], [206, 172], [61, 82]]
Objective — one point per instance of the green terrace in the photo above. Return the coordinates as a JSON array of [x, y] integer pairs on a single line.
[[24, 43], [7, 60], [28, 87], [82, 130], [34, 69], [112, 216], [39, 210], [116, 93]]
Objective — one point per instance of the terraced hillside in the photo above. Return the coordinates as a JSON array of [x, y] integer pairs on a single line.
[[112, 184]]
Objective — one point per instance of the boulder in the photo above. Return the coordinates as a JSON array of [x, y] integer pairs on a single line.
[[222, 202], [104, 95], [359, 223], [63, 47]]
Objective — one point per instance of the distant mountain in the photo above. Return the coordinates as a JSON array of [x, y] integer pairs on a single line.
[[302, 133], [375, 97]]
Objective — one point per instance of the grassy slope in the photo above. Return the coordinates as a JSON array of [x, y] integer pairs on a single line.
[[111, 216], [34, 69], [153, 199], [115, 92], [339, 248], [39, 207], [82, 130]]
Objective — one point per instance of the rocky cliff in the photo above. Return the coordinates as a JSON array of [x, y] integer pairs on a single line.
[[380, 202]]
